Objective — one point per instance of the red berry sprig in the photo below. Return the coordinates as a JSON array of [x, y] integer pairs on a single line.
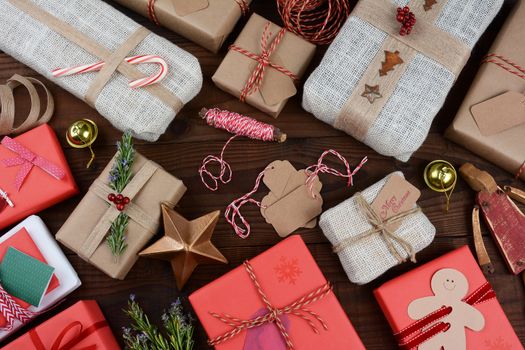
[[407, 19], [119, 200]]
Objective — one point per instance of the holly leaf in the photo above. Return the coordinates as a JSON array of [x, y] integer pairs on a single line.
[[392, 59]]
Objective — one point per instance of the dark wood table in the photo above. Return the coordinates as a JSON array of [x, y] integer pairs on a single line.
[[189, 140]]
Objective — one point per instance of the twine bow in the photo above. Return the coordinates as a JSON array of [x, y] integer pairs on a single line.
[[381, 227], [12, 311], [297, 308], [27, 160], [80, 335], [263, 61], [428, 327]]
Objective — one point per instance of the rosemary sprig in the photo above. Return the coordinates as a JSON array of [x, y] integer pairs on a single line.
[[119, 177], [142, 335]]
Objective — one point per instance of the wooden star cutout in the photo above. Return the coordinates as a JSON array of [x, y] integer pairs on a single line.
[[185, 244], [371, 93]]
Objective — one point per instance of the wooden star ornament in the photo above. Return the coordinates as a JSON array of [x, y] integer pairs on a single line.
[[371, 93], [185, 244]]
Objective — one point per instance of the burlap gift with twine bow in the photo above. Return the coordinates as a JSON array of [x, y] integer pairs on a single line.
[[365, 245], [87, 227], [52, 34], [392, 112]]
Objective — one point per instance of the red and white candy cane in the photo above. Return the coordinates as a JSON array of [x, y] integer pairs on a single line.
[[141, 59]]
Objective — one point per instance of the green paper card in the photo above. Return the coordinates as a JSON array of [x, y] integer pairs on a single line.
[[25, 277]]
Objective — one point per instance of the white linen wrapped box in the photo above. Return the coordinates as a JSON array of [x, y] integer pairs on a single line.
[[40, 47], [66, 275], [398, 122], [368, 258]]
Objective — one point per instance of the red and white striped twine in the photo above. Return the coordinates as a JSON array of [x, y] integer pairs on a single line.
[[140, 59], [11, 311], [318, 21], [233, 211], [513, 68]]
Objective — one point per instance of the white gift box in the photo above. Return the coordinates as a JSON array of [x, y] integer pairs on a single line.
[[67, 277]]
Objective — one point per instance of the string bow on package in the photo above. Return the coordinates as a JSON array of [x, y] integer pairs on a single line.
[[294, 200]]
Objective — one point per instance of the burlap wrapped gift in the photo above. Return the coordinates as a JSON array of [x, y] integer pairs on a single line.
[[50, 34], [86, 228], [365, 250], [411, 94], [205, 22]]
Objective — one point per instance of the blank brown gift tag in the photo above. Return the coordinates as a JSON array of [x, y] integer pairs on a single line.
[[185, 7], [500, 113], [397, 196], [276, 86]]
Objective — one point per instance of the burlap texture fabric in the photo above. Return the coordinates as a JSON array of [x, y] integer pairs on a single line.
[[42, 49], [402, 125], [368, 258]]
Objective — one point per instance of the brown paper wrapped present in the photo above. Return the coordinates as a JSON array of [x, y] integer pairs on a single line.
[[498, 137], [86, 228], [263, 65], [205, 22]]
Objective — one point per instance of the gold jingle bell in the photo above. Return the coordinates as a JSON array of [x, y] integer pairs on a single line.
[[82, 134], [441, 176]]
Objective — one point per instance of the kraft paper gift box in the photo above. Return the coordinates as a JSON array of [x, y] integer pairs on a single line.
[[32, 237], [271, 87], [385, 89], [285, 273], [364, 253], [42, 187], [81, 326], [461, 304], [506, 147], [205, 22], [68, 34], [85, 230]]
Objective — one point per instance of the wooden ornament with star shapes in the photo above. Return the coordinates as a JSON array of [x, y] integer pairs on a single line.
[[185, 244], [371, 93]]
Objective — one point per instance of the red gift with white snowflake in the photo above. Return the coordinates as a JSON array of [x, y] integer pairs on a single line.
[[278, 300], [447, 303]]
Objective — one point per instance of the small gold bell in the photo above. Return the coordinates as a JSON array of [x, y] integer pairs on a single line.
[[441, 176], [82, 134]]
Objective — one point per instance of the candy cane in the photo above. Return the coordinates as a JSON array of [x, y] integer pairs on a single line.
[[62, 72]]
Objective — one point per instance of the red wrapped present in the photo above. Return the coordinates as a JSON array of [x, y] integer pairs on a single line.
[[449, 304], [280, 300], [82, 326], [34, 174]]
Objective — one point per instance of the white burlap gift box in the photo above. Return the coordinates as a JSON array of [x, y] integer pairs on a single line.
[[413, 92], [368, 258], [146, 112]]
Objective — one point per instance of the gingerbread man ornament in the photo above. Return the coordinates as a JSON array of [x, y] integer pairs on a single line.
[[449, 287]]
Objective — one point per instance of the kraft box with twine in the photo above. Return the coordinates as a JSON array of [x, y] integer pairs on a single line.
[[86, 228], [385, 89], [368, 243], [48, 35]]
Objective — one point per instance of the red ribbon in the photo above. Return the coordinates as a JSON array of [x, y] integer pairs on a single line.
[[80, 335], [425, 328], [255, 80], [27, 160]]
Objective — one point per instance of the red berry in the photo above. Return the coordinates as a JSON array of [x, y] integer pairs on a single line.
[[120, 197], [126, 200], [406, 9], [120, 207], [111, 197]]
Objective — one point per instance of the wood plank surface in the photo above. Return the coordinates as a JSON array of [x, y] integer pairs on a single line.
[[189, 140]]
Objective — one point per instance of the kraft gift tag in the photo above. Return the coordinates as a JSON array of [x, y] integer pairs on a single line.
[[276, 86], [397, 196], [185, 7], [500, 113]]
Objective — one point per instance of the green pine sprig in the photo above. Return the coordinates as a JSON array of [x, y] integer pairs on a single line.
[[142, 335], [119, 177]]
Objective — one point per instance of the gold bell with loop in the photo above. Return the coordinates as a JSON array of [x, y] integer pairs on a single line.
[[441, 176], [82, 134]]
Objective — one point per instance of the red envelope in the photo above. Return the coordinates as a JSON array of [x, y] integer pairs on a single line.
[[286, 273], [23, 242], [395, 296], [82, 326], [39, 190]]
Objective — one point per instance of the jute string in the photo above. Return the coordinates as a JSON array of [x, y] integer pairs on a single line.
[[381, 227], [114, 60], [7, 105]]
